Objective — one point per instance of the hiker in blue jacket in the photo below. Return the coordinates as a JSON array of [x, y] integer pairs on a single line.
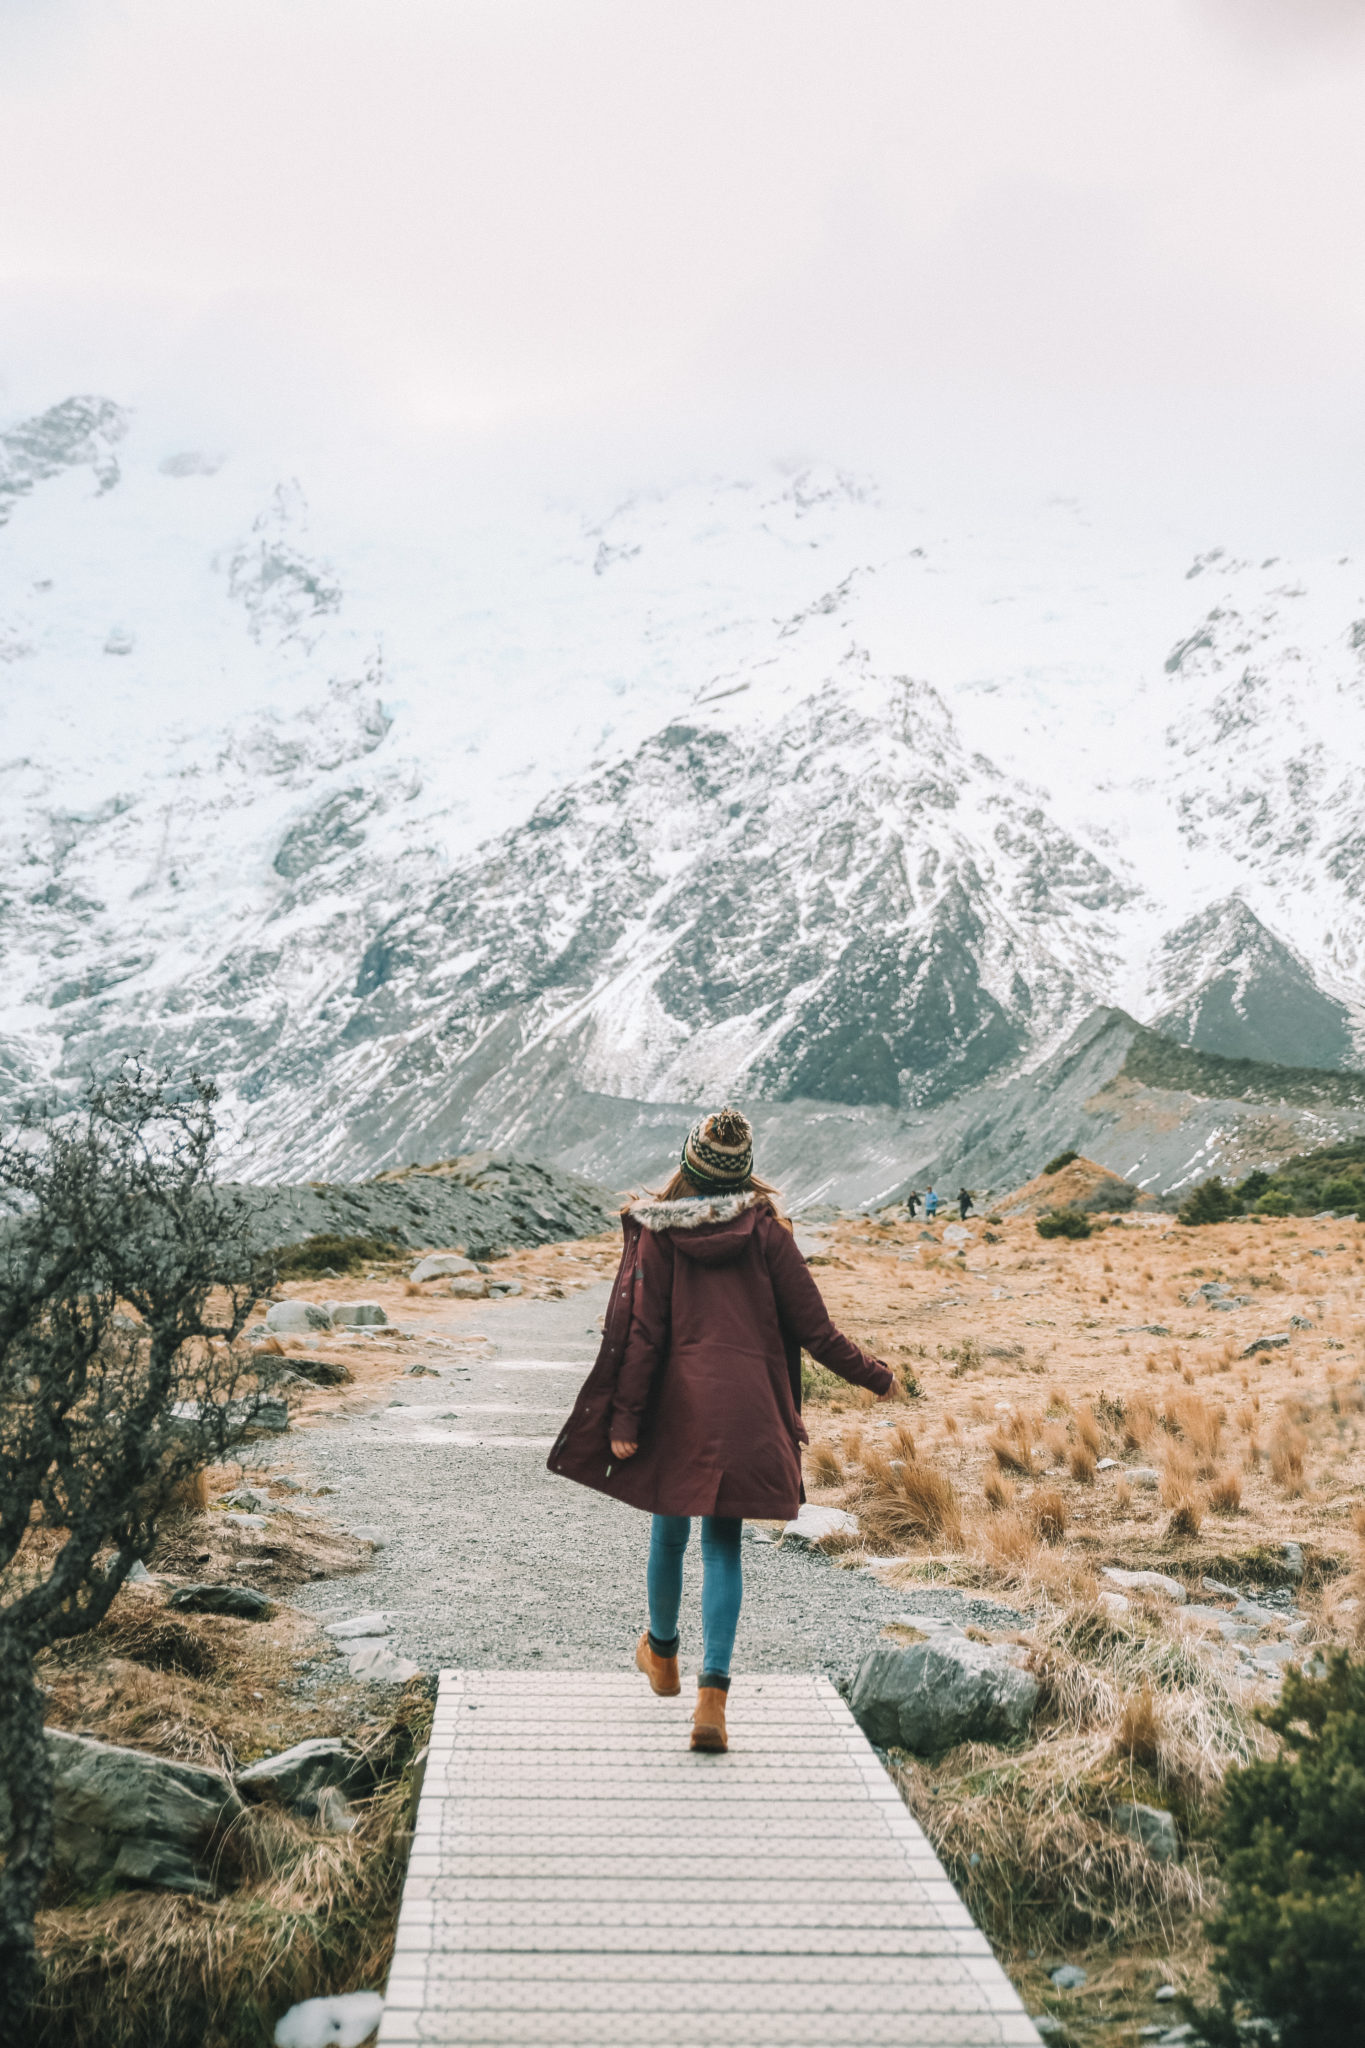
[[931, 1204]]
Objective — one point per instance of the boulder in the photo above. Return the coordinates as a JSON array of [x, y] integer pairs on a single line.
[[355, 1315], [504, 1287], [442, 1266], [293, 1316], [242, 1497], [1146, 1582], [1293, 1560], [812, 1524], [929, 1695], [343, 2022], [1275, 1343], [145, 1819], [1153, 1827], [323, 1372], [468, 1287], [296, 1776], [243, 1603], [369, 1532]]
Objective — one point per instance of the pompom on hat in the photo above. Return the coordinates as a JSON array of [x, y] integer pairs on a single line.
[[719, 1150]]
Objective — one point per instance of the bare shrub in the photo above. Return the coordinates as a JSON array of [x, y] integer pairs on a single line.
[[909, 1500], [999, 1492], [1288, 1449], [1225, 1495], [1049, 1511], [1081, 1464], [1011, 1444], [1139, 1732], [1089, 1431], [824, 1464]]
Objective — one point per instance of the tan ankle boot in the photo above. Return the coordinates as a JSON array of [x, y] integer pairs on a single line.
[[662, 1672], [708, 1723]]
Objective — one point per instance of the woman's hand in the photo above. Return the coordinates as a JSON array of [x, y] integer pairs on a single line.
[[623, 1450]]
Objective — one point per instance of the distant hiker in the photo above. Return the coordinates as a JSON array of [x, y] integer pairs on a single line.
[[931, 1204], [912, 1201], [693, 1406], [964, 1203]]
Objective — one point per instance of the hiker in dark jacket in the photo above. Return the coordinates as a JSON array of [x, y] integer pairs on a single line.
[[693, 1406], [964, 1203], [912, 1204]]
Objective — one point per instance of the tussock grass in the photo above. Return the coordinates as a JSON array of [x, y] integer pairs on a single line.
[[1225, 1495], [824, 1464], [1288, 1450], [905, 1499], [1050, 1513], [1011, 1443]]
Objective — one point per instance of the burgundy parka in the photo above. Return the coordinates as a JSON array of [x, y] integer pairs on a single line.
[[700, 1364]]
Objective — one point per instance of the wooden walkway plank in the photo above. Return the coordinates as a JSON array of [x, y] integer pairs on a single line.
[[579, 1878]]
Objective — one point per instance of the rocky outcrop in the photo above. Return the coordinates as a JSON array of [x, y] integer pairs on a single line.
[[928, 1695], [136, 1818]]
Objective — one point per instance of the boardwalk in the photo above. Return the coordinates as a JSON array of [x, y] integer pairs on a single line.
[[578, 1876]]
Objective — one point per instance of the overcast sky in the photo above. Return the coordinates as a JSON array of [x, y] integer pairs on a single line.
[[1066, 229]]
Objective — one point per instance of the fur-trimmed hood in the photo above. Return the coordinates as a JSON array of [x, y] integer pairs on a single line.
[[690, 1212]]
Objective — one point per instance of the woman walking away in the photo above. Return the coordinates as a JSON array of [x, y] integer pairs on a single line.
[[693, 1406]]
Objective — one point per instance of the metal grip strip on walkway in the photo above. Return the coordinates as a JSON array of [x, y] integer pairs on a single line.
[[579, 1876]]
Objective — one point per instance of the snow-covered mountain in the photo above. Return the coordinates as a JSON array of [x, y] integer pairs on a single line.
[[429, 836]]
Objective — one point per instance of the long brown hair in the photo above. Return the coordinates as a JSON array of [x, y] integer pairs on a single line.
[[682, 1186]]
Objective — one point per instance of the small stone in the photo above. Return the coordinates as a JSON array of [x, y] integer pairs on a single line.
[[323, 1372], [1153, 1827], [1293, 1559], [372, 1624], [242, 1603], [242, 1519], [137, 1573], [381, 1666], [366, 1532], [243, 1498], [504, 1287], [1106, 1464], [289, 1316], [300, 1772], [469, 1287], [1275, 1343], [1115, 1605], [1146, 1582], [812, 1524], [1069, 1977], [1145, 1476], [1300, 1323], [442, 1266], [160, 1866], [1164, 1993], [343, 2022], [355, 1315]]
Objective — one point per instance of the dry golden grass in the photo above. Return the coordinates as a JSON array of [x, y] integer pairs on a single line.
[[1225, 1495], [1138, 1735], [1081, 1464], [1011, 1444], [1288, 1448], [905, 1501], [1089, 1431], [998, 1492], [1050, 1513], [824, 1466]]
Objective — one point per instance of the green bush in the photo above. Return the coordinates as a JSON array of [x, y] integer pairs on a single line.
[[1254, 1186], [1276, 1203], [326, 1252], [1062, 1159], [1064, 1223], [1290, 1939], [1210, 1202], [1341, 1194]]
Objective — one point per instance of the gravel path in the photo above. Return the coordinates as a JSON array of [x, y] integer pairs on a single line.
[[491, 1561]]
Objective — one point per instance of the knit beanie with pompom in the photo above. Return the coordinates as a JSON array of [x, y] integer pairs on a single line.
[[719, 1152]]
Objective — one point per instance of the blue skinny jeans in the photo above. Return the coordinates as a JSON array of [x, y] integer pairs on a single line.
[[722, 1588]]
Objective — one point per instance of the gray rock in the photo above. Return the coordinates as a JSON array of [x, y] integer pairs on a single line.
[[355, 1315], [1107, 1465], [1144, 1475], [928, 1696], [1293, 1560], [288, 1317], [1068, 1977], [1275, 1343], [368, 1532], [1153, 1827], [1300, 1323], [323, 1372], [242, 1497], [138, 1574], [442, 1266], [243, 1603], [469, 1287], [117, 1805], [504, 1287], [812, 1524], [242, 1520], [381, 1665], [371, 1624], [1146, 1582], [297, 1775]]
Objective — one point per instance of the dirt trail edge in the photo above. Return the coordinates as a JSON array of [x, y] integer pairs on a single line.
[[490, 1561]]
